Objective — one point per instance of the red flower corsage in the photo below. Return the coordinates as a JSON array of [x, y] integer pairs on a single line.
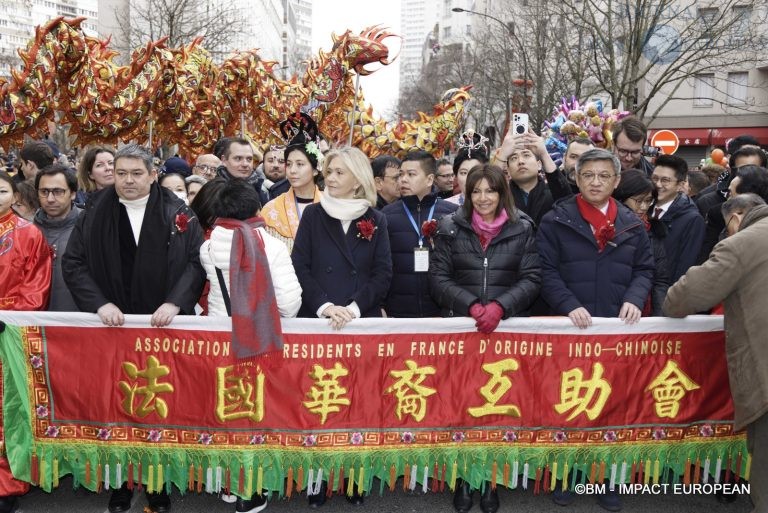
[[365, 228], [428, 230], [182, 220]]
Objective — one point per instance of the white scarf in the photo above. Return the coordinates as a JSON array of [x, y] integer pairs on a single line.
[[345, 210], [135, 210]]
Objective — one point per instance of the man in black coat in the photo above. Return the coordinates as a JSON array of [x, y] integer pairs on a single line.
[[409, 294], [685, 226], [135, 250]]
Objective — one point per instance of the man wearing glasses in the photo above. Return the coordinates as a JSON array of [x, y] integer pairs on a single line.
[[444, 178], [685, 225], [206, 166], [629, 136], [386, 172], [56, 187]]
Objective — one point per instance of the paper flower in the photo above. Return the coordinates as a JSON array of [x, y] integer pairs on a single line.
[[205, 439], [366, 228], [458, 437], [428, 230], [52, 432], [560, 437], [356, 438], [104, 434], [706, 430], [41, 411], [154, 435], [610, 436], [36, 361], [407, 437], [182, 220], [257, 440], [509, 436], [310, 441], [659, 434]]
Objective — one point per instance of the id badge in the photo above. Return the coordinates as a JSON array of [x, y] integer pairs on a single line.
[[420, 259]]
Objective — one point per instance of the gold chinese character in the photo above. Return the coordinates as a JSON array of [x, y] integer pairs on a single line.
[[150, 401], [498, 385], [235, 398], [583, 396], [411, 394], [669, 387], [326, 394]]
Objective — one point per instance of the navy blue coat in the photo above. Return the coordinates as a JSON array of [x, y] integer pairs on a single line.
[[341, 268], [409, 292], [575, 274], [685, 236]]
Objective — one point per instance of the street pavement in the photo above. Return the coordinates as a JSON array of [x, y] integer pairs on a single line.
[[66, 500]]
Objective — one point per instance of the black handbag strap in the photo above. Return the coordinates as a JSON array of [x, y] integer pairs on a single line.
[[224, 291]]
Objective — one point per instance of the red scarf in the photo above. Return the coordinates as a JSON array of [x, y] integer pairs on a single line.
[[256, 325], [602, 224], [487, 231]]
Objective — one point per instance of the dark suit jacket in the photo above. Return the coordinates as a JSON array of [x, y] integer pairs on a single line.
[[340, 268]]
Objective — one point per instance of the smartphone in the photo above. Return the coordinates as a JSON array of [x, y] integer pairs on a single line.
[[519, 123], [651, 151]]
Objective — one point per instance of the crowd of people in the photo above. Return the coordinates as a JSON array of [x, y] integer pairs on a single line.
[[304, 230]]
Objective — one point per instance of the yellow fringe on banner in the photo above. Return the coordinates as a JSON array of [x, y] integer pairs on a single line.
[[260, 479], [160, 480], [249, 489], [55, 476], [454, 472], [749, 467], [151, 479], [565, 476], [351, 481], [361, 479], [553, 478], [656, 471], [647, 473], [41, 479]]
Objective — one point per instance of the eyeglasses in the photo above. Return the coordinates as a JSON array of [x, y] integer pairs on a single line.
[[663, 180], [394, 178], [446, 175], [628, 153], [57, 193], [208, 170], [642, 201], [601, 177]]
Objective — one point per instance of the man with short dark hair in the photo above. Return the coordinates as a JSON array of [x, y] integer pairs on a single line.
[[274, 171], [34, 156], [237, 158], [685, 226], [135, 250], [409, 290], [386, 173], [735, 274], [444, 178], [629, 136], [56, 187]]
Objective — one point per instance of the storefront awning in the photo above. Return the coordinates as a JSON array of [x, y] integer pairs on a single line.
[[716, 136]]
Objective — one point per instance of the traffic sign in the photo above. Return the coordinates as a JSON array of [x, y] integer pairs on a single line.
[[666, 141]]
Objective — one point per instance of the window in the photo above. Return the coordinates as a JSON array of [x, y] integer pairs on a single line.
[[447, 4], [708, 18], [446, 32], [469, 30], [737, 88], [703, 89], [740, 26]]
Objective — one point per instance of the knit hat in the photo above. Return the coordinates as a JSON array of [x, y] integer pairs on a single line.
[[177, 165]]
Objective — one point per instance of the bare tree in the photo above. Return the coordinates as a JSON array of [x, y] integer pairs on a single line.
[[641, 50], [218, 22]]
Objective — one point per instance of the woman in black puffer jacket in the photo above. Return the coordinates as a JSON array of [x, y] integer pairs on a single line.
[[484, 265]]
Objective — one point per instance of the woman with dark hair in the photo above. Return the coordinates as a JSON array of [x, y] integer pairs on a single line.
[[472, 152], [25, 283], [485, 265], [303, 160], [97, 169], [639, 194], [27, 202], [204, 204], [175, 183]]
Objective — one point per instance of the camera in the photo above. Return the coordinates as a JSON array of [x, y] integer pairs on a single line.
[[519, 123]]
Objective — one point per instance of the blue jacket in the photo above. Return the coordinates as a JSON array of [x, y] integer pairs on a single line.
[[409, 292], [575, 274], [685, 236], [341, 268]]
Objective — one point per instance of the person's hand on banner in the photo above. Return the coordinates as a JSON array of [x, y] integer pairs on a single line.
[[164, 315], [111, 315]]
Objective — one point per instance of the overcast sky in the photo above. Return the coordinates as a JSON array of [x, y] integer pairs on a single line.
[[380, 88]]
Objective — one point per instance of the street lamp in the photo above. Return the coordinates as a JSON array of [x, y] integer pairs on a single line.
[[510, 27]]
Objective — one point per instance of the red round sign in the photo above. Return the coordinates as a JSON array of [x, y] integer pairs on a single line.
[[666, 141]]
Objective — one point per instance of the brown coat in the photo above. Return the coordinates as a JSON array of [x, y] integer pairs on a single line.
[[736, 273]]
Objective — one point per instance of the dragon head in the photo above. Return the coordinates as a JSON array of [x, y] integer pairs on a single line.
[[366, 48]]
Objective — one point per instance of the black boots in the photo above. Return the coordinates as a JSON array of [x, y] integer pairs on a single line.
[[462, 498]]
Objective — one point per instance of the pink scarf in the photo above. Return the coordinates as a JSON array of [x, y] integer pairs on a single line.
[[487, 231]]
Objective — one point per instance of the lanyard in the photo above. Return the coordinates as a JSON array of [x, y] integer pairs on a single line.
[[413, 221]]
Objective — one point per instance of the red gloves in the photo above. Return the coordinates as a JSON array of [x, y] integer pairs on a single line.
[[476, 311], [490, 318]]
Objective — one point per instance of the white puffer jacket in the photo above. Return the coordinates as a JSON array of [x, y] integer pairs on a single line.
[[215, 253]]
